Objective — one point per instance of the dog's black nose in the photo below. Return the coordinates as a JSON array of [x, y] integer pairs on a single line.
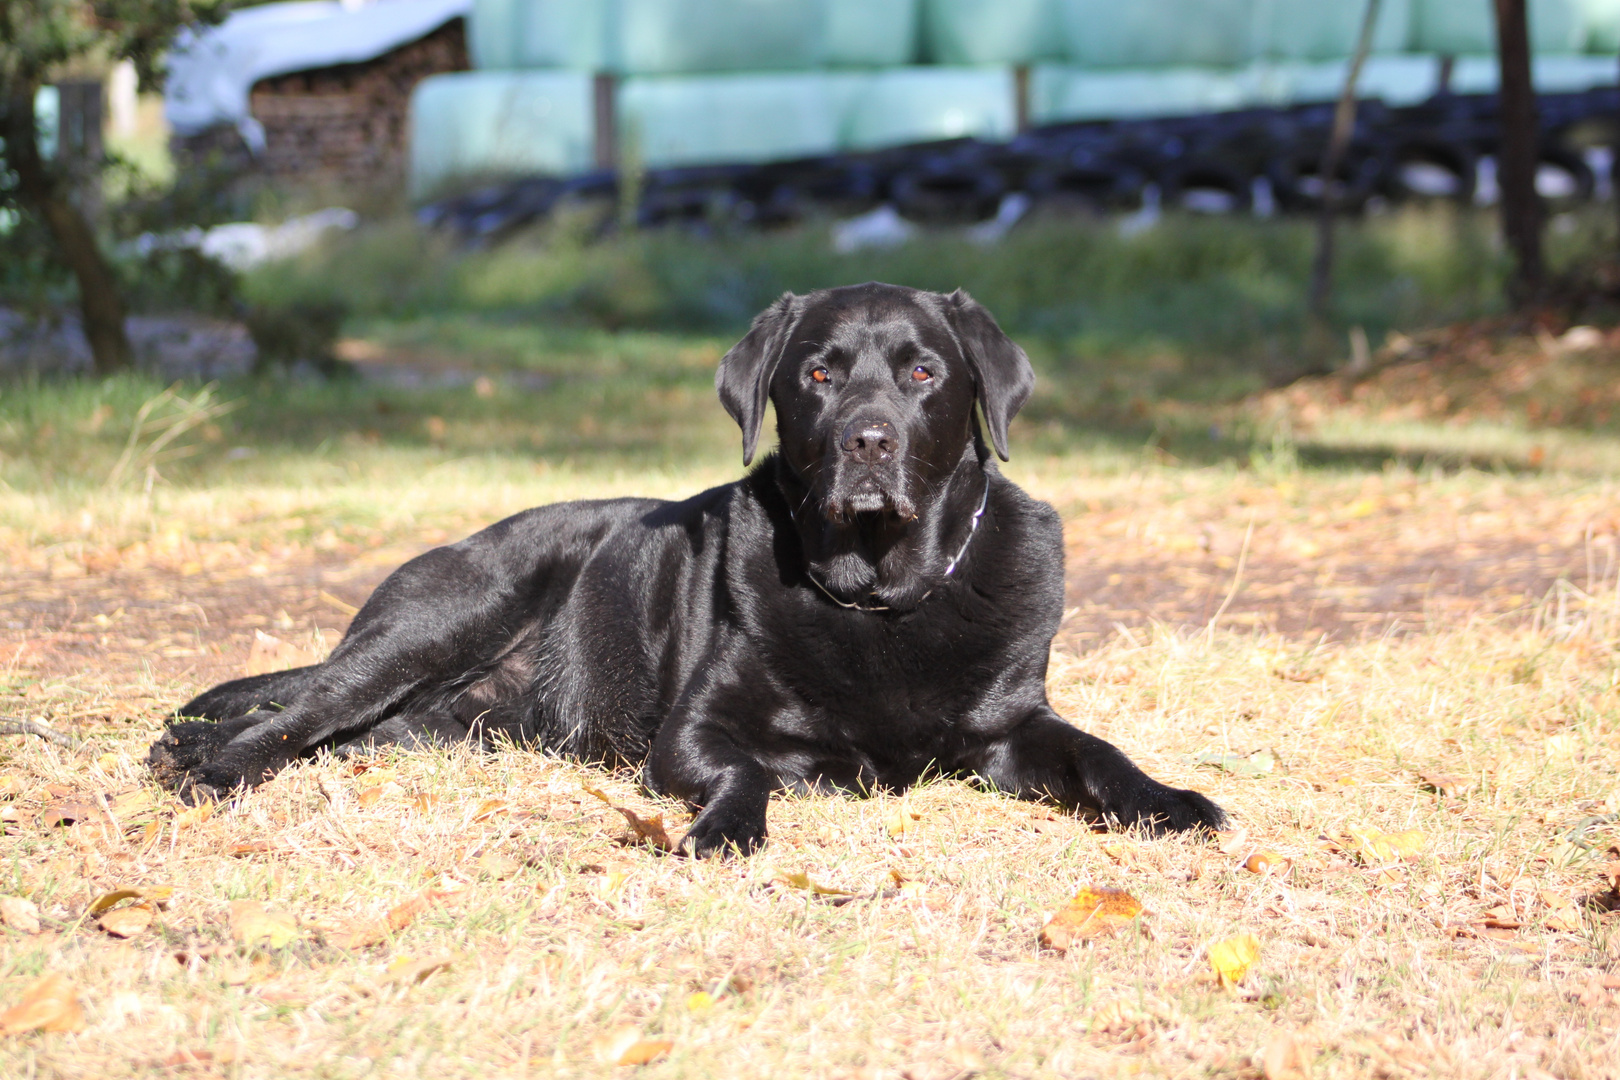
[[870, 441]]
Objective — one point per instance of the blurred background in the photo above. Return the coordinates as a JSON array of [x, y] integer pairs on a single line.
[[1173, 204]]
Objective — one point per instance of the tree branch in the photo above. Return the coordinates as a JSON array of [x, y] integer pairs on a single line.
[[31, 727]]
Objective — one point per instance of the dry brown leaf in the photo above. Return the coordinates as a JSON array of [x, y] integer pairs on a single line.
[[10, 786], [374, 931], [19, 914], [901, 822], [646, 830], [489, 808], [250, 847], [424, 802], [252, 923], [1562, 913], [1232, 957], [69, 812], [193, 815], [126, 922], [1234, 843], [370, 797], [624, 1045], [1095, 911], [1380, 847], [1287, 1057], [1120, 854], [51, 1003], [407, 971], [270, 653], [1444, 783]]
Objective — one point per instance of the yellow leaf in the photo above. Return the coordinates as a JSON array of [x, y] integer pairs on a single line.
[[252, 923], [901, 822], [126, 922], [802, 880], [369, 797], [155, 893], [51, 1003], [425, 802], [700, 1002], [1382, 847], [489, 808], [107, 762], [1094, 912], [1232, 957]]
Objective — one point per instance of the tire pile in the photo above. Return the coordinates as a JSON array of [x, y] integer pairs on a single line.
[[1442, 149]]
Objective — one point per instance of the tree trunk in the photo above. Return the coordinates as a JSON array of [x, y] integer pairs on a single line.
[[1519, 154], [44, 190], [1344, 126]]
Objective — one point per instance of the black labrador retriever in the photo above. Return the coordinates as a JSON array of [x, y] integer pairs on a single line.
[[872, 603]]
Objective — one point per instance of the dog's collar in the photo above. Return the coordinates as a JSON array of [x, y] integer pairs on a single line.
[[950, 567]]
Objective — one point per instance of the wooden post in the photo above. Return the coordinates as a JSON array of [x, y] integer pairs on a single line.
[[1519, 153], [1021, 97], [606, 121]]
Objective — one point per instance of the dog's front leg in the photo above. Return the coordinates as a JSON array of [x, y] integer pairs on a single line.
[[698, 757], [1046, 758]]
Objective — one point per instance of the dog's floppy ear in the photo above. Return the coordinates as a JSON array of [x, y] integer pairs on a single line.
[[1000, 368], [744, 378]]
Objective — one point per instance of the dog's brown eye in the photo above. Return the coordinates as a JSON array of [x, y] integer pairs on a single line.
[[921, 374], [820, 374]]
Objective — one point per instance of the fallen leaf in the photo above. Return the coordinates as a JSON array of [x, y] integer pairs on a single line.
[[10, 786], [500, 867], [1287, 1057], [373, 931], [424, 802], [1444, 783], [1095, 911], [489, 808], [1120, 854], [407, 971], [802, 880], [1234, 842], [1562, 913], [155, 893], [250, 847], [901, 822], [1232, 957], [126, 922], [68, 812], [1381, 847], [193, 815], [370, 797], [19, 914], [51, 1003], [1267, 862], [270, 653], [699, 1002], [624, 1045], [252, 923], [1256, 764], [648, 830]]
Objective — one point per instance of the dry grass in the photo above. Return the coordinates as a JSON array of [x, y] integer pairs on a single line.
[[542, 933]]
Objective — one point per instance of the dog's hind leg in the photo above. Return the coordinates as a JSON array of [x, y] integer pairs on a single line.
[[410, 731]]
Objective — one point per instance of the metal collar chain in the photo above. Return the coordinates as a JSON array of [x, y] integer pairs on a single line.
[[950, 567]]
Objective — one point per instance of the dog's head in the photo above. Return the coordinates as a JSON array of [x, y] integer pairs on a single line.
[[874, 387]]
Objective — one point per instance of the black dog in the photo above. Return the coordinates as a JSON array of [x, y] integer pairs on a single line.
[[874, 602]]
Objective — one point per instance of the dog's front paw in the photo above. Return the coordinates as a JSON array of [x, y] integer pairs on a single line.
[[1161, 809], [183, 748], [724, 831]]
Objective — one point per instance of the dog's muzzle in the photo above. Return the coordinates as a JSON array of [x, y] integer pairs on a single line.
[[867, 477]]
